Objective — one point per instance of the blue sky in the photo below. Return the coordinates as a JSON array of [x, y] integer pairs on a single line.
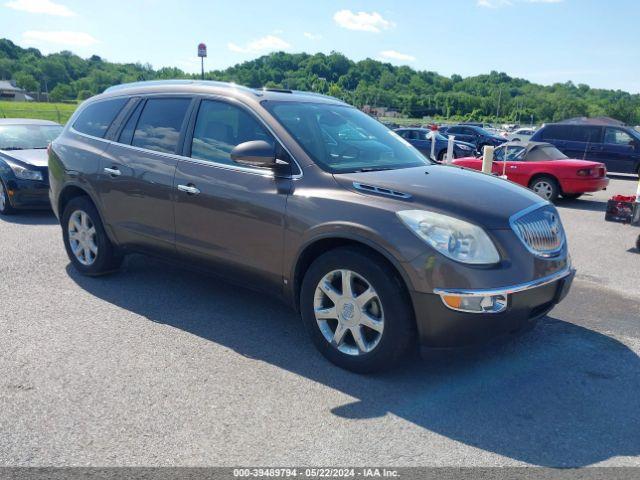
[[586, 41]]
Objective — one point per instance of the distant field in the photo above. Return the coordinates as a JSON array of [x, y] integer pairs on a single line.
[[58, 112]]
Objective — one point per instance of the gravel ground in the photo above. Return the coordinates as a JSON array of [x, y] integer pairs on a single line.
[[157, 365]]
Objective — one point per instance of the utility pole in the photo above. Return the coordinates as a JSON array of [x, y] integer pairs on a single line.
[[498, 109]]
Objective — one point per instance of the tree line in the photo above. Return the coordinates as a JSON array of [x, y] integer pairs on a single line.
[[66, 76]]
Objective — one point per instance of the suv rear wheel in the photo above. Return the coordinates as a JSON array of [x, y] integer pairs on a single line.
[[356, 310], [85, 240]]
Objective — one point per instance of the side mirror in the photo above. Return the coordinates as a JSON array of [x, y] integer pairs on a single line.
[[256, 153]]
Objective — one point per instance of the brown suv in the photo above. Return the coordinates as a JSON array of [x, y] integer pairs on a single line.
[[305, 197]]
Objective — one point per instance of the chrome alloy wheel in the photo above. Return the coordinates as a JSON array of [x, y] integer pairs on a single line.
[[82, 237], [543, 188], [348, 312], [3, 198]]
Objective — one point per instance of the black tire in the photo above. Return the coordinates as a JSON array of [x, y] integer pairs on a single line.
[[442, 156], [638, 244], [548, 184], [107, 259], [5, 206], [398, 335], [572, 196]]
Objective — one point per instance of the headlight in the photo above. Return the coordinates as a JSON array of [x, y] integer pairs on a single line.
[[457, 239], [24, 173]]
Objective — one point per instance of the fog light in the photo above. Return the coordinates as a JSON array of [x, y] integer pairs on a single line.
[[476, 303]]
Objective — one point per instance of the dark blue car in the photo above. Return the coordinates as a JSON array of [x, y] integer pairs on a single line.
[[618, 147], [477, 136], [24, 178], [419, 138]]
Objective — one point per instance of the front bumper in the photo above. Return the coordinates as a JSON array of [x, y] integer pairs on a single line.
[[28, 193], [441, 327]]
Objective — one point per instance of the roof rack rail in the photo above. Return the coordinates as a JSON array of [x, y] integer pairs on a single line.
[[276, 89], [152, 83]]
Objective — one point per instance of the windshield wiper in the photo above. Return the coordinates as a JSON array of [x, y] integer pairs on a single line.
[[11, 148]]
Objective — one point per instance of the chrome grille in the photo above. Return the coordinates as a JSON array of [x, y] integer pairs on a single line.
[[540, 229]]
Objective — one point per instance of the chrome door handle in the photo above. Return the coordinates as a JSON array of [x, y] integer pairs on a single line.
[[113, 172], [190, 189]]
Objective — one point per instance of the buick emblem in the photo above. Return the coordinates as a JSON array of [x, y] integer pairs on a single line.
[[347, 311]]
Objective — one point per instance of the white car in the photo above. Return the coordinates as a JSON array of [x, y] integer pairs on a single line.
[[520, 135]]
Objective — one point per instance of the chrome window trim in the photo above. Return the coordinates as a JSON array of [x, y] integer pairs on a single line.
[[546, 255], [226, 166], [540, 282]]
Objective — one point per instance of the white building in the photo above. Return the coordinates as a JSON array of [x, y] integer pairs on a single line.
[[9, 92]]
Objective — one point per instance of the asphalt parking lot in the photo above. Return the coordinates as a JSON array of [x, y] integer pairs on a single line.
[[156, 365]]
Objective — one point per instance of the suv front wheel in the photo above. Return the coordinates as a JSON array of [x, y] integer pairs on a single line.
[[356, 310], [85, 240]]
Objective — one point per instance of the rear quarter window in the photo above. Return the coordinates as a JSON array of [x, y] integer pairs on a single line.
[[96, 118]]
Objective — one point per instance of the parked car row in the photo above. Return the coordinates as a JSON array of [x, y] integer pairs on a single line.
[[301, 196]]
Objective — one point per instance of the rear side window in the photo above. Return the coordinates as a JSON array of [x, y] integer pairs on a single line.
[[96, 118], [572, 133], [160, 124], [220, 127], [584, 133], [556, 132]]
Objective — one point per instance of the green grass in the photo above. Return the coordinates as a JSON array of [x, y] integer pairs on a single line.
[[58, 112]]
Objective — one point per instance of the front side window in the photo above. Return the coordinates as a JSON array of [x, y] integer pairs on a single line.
[[160, 123], [358, 142], [220, 127], [25, 137], [617, 137], [96, 118]]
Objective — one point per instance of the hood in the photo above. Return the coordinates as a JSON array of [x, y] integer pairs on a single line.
[[36, 157], [482, 199]]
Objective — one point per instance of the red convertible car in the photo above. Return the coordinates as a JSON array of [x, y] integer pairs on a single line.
[[544, 169]]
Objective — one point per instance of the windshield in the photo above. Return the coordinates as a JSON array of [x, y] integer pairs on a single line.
[[342, 139], [512, 153], [24, 137]]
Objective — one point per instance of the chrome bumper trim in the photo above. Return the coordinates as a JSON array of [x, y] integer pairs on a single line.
[[506, 290]]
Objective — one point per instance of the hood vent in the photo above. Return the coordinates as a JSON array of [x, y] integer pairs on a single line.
[[380, 191]]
